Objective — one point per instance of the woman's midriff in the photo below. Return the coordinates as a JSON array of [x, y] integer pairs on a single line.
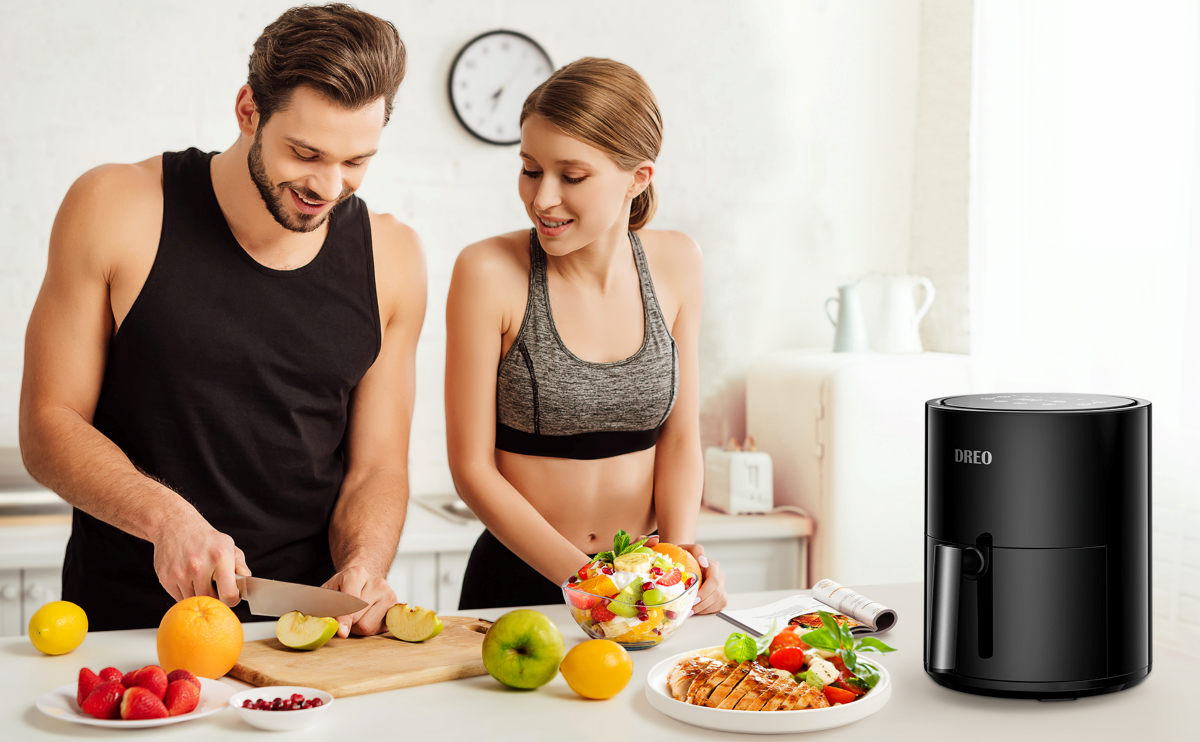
[[587, 501]]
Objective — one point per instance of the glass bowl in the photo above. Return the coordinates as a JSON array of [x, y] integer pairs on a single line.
[[634, 632]]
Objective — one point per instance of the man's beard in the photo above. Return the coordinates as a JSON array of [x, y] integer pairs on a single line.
[[273, 196]]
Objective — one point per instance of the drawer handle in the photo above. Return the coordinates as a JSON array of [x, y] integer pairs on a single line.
[[8, 592], [33, 592]]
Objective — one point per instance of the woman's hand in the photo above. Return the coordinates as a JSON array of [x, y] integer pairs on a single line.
[[711, 597]]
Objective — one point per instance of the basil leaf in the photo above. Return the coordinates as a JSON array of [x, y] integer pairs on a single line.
[[812, 679], [871, 644], [740, 648], [763, 642], [847, 637], [856, 682], [831, 625], [865, 672], [821, 639]]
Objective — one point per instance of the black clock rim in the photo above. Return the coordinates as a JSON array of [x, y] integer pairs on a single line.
[[454, 66]]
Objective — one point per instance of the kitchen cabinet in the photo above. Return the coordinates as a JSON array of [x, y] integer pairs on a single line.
[[22, 592]]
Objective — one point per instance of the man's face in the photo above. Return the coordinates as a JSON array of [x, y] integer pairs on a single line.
[[311, 155]]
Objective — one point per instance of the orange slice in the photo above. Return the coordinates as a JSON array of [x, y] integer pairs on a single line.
[[601, 585]]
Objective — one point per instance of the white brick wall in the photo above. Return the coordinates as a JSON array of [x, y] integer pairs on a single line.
[[790, 130]]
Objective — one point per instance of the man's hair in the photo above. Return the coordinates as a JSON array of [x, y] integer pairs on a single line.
[[351, 57]]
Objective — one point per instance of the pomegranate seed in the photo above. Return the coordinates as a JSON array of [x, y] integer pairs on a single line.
[[246, 704], [670, 615], [607, 570], [649, 586], [573, 579], [316, 702]]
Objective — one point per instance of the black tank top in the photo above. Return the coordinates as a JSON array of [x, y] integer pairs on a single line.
[[230, 381]]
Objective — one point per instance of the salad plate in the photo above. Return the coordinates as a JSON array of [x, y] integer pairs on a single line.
[[762, 722], [60, 703]]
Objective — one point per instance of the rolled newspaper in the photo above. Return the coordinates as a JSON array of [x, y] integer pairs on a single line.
[[844, 600]]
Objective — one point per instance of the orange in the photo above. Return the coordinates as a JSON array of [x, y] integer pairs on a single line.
[[199, 634], [601, 585], [654, 618], [680, 556], [599, 668]]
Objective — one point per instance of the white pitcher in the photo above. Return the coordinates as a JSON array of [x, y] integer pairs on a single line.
[[851, 335], [897, 328]]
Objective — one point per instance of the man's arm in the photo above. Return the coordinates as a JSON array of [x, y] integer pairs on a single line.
[[108, 216], [366, 524]]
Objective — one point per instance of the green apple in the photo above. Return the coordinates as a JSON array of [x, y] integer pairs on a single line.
[[414, 624], [523, 649], [298, 631]]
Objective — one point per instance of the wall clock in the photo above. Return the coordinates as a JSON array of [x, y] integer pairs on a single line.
[[490, 79]]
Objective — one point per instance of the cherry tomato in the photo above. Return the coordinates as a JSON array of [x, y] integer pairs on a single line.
[[790, 659], [841, 683], [838, 695], [787, 638]]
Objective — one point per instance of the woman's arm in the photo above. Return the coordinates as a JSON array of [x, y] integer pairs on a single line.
[[678, 463], [477, 316]]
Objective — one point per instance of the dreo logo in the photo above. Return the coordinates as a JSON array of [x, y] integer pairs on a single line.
[[962, 456]]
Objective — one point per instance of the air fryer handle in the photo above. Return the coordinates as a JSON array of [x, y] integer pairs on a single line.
[[943, 635]]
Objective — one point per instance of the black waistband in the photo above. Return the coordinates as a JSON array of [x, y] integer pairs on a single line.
[[600, 444]]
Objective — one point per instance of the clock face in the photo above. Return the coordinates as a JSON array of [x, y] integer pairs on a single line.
[[491, 78]]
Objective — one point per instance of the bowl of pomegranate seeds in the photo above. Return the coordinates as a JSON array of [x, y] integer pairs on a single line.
[[281, 708], [633, 595]]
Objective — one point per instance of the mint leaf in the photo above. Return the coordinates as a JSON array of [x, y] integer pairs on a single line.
[[620, 541], [871, 644], [740, 647], [635, 545], [605, 556]]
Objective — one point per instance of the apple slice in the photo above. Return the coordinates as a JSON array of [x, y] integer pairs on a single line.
[[413, 624], [298, 631]]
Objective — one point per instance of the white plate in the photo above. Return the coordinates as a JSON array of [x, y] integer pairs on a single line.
[[762, 722], [60, 703]]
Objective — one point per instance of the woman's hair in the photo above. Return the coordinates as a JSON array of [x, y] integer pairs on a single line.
[[351, 57], [609, 106]]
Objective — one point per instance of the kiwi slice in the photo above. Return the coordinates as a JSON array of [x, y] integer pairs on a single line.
[[625, 602]]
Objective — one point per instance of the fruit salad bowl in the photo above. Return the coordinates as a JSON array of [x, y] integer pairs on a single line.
[[634, 624]]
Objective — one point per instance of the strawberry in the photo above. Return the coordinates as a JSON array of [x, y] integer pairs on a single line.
[[671, 578], [152, 678], [140, 703], [182, 697], [104, 702], [111, 673], [88, 681], [182, 674], [127, 679], [600, 613], [582, 601], [583, 572]]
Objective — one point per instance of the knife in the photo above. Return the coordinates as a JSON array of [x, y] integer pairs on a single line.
[[275, 598]]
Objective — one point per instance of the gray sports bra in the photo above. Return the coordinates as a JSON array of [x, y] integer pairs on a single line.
[[549, 402]]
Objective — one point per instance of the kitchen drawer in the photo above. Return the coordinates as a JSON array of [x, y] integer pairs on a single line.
[[752, 566], [38, 587]]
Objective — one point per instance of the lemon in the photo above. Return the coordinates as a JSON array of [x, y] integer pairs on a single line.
[[599, 668], [58, 627]]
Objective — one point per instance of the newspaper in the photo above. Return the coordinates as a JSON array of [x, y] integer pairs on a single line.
[[862, 615]]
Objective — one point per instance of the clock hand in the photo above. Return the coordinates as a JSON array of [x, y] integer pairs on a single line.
[[496, 95]]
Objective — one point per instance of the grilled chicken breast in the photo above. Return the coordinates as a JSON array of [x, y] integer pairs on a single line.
[[748, 686]]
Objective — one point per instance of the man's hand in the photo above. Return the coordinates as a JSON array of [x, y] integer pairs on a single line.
[[375, 590], [191, 556], [711, 596]]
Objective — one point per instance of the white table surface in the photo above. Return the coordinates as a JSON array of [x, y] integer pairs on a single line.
[[482, 709]]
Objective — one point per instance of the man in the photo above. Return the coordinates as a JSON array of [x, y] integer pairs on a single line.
[[219, 366]]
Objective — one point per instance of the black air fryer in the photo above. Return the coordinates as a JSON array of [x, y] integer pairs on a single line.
[[1037, 544]]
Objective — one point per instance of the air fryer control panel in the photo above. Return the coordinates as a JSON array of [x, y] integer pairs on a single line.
[[1038, 402]]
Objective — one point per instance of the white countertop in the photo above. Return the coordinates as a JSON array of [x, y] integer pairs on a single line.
[[41, 544], [482, 709]]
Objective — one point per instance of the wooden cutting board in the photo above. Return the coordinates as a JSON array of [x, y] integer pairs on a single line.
[[366, 664]]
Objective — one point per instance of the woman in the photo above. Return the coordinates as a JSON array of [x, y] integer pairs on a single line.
[[571, 363]]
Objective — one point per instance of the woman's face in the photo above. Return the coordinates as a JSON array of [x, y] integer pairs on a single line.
[[572, 191]]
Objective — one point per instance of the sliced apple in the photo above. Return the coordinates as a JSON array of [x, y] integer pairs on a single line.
[[413, 624], [298, 631]]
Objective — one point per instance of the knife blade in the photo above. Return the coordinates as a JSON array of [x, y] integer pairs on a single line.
[[274, 598]]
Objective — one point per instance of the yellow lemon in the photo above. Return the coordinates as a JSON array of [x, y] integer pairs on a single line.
[[599, 668], [58, 627]]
